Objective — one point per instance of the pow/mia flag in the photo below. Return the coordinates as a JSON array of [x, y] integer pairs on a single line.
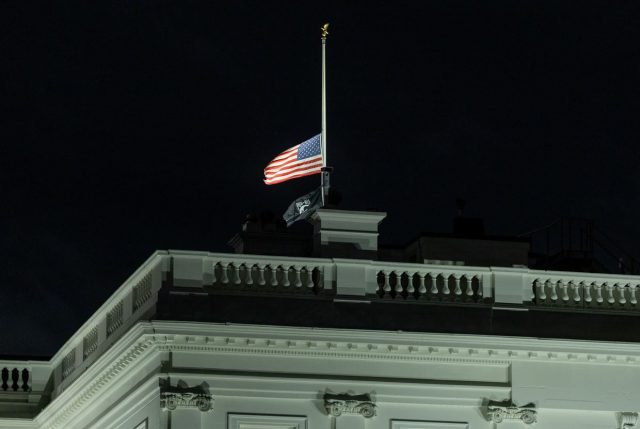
[[303, 207]]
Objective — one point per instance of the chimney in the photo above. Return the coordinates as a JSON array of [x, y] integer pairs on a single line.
[[346, 234]]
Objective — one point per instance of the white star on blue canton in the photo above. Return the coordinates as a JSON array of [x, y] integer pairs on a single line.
[[309, 148]]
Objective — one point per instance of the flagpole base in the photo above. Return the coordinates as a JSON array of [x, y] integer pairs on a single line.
[[325, 182]]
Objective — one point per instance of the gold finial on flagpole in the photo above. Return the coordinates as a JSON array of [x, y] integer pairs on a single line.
[[325, 30]]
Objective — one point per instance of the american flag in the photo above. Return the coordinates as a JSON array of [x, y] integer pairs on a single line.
[[301, 160]]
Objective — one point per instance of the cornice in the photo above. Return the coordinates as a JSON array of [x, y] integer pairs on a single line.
[[106, 371], [496, 350], [99, 384], [320, 350]]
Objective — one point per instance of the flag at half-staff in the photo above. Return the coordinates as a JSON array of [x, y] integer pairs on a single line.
[[300, 160], [305, 159]]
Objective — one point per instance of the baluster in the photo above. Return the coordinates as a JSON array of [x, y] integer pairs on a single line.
[[398, 286], [15, 377], [285, 277], [410, 288], [248, 279], [274, 275], [310, 282], [576, 291], [5, 379], [230, 273], [621, 291], [215, 278], [565, 293], [542, 296], [25, 380], [587, 292], [236, 274], [554, 291], [386, 286], [480, 291], [469, 281], [599, 298], [457, 289], [422, 289], [297, 281], [445, 288], [225, 278], [434, 283], [632, 294], [609, 288], [305, 276], [261, 280]]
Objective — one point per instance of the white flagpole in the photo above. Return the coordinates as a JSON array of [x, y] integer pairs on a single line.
[[325, 33], [324, 175]]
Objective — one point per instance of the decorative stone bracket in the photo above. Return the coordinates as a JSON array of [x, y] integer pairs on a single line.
[[499, 411], [628, 420], [344, 403], [173, 400]]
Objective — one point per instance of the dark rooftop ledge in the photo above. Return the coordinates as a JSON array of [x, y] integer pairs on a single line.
[[383, 316]]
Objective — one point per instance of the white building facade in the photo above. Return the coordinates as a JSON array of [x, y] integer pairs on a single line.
[[133, 366]]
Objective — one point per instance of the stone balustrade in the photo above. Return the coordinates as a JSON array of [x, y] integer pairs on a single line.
[[396, 281], [583, 290], [432, 282], [251, 273], [274, 275], [28, 378], [14, 378]]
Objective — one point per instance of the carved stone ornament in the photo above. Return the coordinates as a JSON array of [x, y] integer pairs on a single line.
[[499, 411], [628, 420], [338, 404], [172, 400]]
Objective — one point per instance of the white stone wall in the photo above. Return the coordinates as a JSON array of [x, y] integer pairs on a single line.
[[247, 376], [273, 413]]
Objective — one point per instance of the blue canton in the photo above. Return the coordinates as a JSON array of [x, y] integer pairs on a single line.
[[309, 148]]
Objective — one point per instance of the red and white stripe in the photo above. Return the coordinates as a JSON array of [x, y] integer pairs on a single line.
[[286, 166]]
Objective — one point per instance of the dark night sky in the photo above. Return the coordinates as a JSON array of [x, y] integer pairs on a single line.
[[134, 125]]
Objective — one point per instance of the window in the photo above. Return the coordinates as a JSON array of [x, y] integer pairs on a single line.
[[405, 424], [249, 421]]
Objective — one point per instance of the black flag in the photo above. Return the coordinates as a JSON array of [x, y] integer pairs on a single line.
[[303, 207]]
